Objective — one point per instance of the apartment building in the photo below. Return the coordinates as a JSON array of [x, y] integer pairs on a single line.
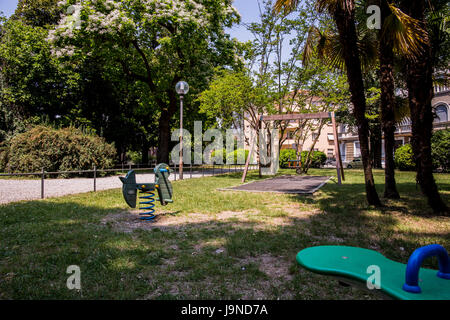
[[348, 138]]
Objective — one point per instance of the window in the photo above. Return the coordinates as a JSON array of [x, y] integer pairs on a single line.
[[331, 136], [441, 113], [357, 150], [330, 153]]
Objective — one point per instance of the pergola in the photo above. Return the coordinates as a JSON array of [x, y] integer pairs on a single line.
[[303, 116]]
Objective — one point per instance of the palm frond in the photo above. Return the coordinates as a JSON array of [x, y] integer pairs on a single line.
[[311, 45], [368, 49], [285, 6], [330, 5], [406, 34]]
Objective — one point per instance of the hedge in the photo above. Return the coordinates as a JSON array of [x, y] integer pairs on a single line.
[[404, 159], [440, 150], [232, 157], [64, 149]]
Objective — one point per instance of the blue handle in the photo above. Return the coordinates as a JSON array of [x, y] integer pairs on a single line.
[[415, 261]]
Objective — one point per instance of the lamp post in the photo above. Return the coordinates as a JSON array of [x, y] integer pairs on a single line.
[[181, 88]]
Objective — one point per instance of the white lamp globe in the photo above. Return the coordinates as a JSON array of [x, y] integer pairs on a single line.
[[182, 87]]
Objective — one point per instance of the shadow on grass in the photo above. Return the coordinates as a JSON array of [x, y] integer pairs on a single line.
[[40, 239]]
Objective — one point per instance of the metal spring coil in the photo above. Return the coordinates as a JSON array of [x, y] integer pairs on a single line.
[[149, 215]]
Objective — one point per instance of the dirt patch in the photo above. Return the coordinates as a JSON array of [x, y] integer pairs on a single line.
[[128, 221], [273, 267]]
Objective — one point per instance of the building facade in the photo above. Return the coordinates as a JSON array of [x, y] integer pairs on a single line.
[[348, 137]]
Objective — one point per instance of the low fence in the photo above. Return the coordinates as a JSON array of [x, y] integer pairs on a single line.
[[188, 170]]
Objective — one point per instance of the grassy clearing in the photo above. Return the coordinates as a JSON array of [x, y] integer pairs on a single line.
[[208, 244]]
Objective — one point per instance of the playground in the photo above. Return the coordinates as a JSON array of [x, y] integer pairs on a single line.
[[209, 243]]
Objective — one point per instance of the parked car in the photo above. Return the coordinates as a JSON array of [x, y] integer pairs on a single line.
[[330, 163], [355, 163]]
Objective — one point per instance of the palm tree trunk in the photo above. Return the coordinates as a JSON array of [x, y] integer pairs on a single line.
[[420, 93], [345, 21], [386, 57], [375, 144]]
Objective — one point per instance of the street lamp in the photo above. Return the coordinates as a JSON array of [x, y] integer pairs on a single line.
[[181, 88]]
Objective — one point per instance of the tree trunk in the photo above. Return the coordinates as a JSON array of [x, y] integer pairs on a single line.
[[375, 145], [145, 149], [386, 57], [420, 93], [345, 21], [164, 137]]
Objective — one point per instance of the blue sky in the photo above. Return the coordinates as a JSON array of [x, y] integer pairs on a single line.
[[247, 8]]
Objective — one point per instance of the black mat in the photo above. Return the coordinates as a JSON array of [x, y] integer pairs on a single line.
[[285, 184]]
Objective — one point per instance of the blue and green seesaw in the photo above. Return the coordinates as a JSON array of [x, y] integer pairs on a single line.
[[397, 280]]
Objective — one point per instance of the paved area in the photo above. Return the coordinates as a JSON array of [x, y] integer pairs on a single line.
[[17, 190], [286, 184]]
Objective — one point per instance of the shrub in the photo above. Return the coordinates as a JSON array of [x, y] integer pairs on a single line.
[[135, 157], [3, 156], [224, 156], [285, 155], [58, 150], [404, 159], [232, 157], [440, 150], [318, 158]]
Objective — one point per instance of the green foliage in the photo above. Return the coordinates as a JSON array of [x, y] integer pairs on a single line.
[[232, 157], [57, 150], [318, 158], [440, 150], [217, 152], [404, 158], [285, 155], [38, 13], [134, 156], [233, 97]]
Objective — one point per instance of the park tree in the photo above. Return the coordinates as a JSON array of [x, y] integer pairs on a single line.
[[234, 98], [156, 43], [343, 15], [267, 61], [319, 88], [419, 78], [33, 83], [38, 13]]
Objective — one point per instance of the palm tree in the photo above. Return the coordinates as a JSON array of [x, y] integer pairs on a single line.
[[419, 78], [343, 14], [402, 34]]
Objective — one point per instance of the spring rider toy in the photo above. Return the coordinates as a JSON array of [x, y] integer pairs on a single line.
[[162, 185]]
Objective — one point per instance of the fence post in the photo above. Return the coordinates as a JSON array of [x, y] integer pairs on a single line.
[[129, 166], [213, 169], [190, 171], [42, 183], [95, 178]]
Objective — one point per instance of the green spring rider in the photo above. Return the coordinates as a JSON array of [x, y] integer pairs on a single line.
[[162, 185]]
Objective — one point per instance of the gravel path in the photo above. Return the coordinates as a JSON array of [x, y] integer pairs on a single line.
[[17, 190]]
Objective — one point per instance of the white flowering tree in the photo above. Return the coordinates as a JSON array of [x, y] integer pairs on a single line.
[[156, 42]]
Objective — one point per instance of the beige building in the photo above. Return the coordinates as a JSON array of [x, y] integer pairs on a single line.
[[348, 138]]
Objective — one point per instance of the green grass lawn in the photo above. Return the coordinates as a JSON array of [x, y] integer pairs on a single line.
[[208, 244]]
